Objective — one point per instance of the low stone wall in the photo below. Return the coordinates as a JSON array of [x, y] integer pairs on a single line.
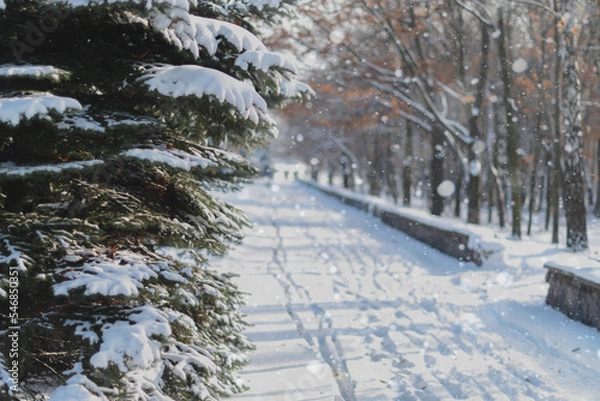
[[450, 242], [576, 296], [347, 199]]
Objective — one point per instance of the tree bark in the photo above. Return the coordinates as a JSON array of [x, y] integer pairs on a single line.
[[458, 197], [407, 163], [347, 172], [437, 171], [474, 185], [574, 183], [511, 131], [374, 168], [555, 175], [597, 206], [533, 179], [390, 169]]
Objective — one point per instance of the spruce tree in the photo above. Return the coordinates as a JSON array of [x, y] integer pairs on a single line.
[[117, 120]]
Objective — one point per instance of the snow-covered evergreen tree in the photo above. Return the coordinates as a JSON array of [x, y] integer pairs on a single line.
[[112, 119]]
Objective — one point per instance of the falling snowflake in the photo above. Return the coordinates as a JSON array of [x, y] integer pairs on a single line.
[[446, 188]]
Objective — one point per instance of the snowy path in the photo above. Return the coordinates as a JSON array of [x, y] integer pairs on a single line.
[[345, 308]]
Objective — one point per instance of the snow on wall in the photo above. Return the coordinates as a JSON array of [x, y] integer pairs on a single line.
[[2, 5], [193, 80], [15, 109], [575, 291], [172, 157], [37, 71], [11, 169], [449, 237], [585, 269]]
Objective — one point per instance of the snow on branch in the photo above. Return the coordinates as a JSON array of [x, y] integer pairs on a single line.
[[15, 109], [80, 122], [183, 356], [121, 275], [32, 71], [183, 4], [79, 388], [293, 88], [261, 4], [173, 157], [190, 32], [133, 343], [84, 330], [15, 255], [193, 80], [11, 169], [239, 37], [263, 60]]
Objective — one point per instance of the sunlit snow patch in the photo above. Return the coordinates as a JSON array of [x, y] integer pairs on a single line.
[[316, 367], [504, 279], [470, 323]]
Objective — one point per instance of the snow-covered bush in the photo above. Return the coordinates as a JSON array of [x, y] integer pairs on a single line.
[[113, 120]]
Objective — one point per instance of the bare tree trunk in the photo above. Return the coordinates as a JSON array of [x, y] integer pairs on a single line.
[[533, 178], [437, 171], [407, 163], [499, 194], [512, 138], [374, 168], [574, 184], [474, 185], [537, 146], [597, 207], [457, 197], [554, 190], [347, 172], [390, 169]]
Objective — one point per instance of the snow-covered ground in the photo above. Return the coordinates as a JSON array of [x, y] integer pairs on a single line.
[[346, 308]]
